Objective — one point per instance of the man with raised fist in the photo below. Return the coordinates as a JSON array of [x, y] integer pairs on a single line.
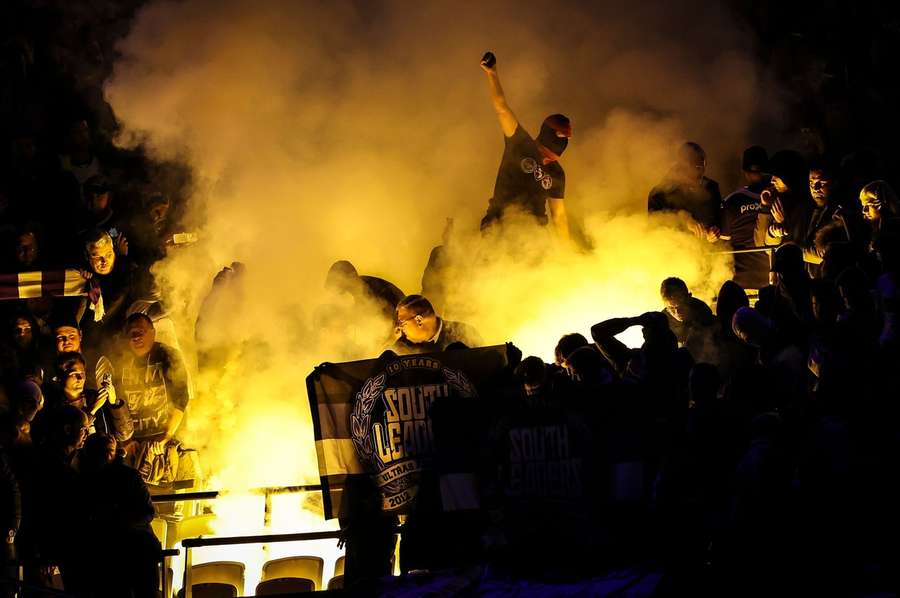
[[530, 178]]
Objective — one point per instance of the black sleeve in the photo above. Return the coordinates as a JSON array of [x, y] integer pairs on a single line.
[[614, 350], [176, 375], [656, 201], [715, 204], [558, 190], [725, 217], [520, 135]]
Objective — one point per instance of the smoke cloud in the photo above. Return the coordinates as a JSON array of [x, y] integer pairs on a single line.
[[319, 131]]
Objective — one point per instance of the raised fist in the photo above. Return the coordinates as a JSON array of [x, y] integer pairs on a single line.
[[488, 62]]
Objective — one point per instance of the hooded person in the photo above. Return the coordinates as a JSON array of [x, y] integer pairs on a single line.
[[359, 307], [530, 178], [343, 277]]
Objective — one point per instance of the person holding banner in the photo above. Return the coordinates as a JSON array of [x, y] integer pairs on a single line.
[[422, 331]]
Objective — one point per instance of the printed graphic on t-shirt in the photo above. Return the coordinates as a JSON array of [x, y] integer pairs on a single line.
[[541, 463], [147, 398], [530, 166]]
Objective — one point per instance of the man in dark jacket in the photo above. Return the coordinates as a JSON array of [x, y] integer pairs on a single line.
[[686, 188], [422, 331]]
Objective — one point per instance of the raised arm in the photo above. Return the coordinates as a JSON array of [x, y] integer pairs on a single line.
[[615, 351], [508, 121]]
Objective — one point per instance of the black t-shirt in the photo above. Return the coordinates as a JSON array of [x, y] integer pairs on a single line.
[[544, 458], [741, 222], [701, 201], [151, 386], [523, 179], [740, 213]]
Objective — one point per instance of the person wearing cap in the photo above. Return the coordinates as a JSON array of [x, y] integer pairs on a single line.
[[742, 226], [530, 178], [423, 331], [99, 213], [686, 188]]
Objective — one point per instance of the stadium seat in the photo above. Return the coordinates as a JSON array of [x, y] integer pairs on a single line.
[[339, 566], [303, 567], [285, 585], [160, 529], [211, 590], [192, 527], [220, 573], [336, 583]]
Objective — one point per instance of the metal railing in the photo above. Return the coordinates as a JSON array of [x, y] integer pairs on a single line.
[[762, 249], [199, 542]]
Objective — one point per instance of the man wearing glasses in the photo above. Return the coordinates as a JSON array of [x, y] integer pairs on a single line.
[[530, 178], [422, 331]]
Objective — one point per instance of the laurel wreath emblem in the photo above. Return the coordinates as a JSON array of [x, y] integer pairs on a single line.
[[370, 393], [459, 382], [361, 416]]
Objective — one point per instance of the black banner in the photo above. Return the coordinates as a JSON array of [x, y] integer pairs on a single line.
[[373, 418]]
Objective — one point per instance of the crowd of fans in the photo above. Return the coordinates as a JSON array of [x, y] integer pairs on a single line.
[[93, 386], [750, 445], [746, 449]]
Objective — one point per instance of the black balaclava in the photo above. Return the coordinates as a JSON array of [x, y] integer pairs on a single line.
[[549, 135]]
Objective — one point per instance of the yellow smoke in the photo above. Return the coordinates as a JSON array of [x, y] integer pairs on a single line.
[[320, 131]]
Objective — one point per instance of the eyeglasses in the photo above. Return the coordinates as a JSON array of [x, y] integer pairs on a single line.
[[417, 318]]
